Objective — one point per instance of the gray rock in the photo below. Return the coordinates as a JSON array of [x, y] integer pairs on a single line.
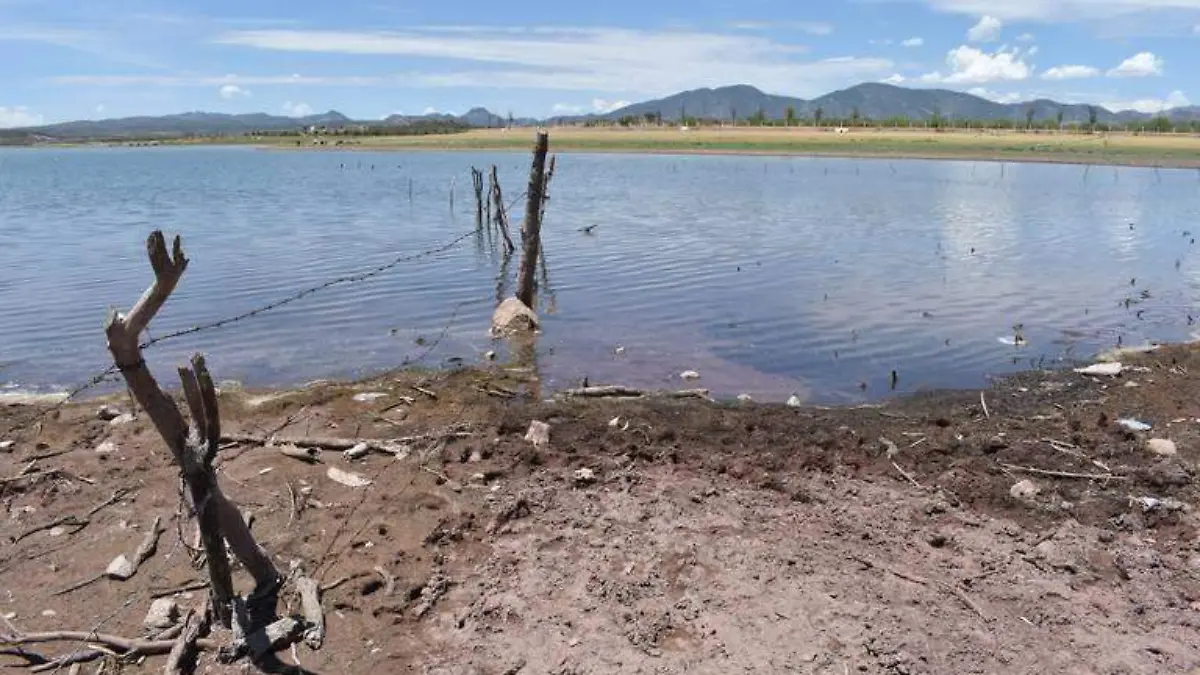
[[1026, 489], [538, 434], [164, 613], [106, 448], [123, 418], [108, 413], [120, 568], [794, 402], [1162, 447], [7, 446], [512, 316], [689, 375], [585, 476]]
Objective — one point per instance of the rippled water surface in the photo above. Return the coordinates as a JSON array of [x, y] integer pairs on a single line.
[[769, 276]]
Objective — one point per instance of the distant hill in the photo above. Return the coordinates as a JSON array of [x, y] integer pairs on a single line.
[[874, 101]]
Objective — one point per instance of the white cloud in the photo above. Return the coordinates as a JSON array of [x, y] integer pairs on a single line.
[[969, 65], [596, 59], [566, 109], [1175, 99], [1059, 10], [1144, 64], [100, 109], [1025, 37], [895, 78], [883, 43], [913, 42], [1070, 72], [810, 27], [232, 91], [1011, 97], [430, 110], [18, 116], [603, 106], [297, 109], [987, 30]]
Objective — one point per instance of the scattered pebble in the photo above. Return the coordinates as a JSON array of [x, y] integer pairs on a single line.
[[346, 478], [123, 418], [538, 434], [585, 476], [1025, 489], [108, 413], [745, 398], [1102, 369], [369, 396], [10, 616], [1134, 425], [49, 612], [120, 568], [164, 613], [795, 402], [357, 452], [106, 448], [1162, 446], [7, 446], [56, 532], [690, 375]]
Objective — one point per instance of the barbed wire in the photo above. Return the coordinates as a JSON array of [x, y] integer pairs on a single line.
[[102, 375]]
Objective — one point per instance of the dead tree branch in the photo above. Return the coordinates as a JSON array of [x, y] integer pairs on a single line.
[[193, 447]]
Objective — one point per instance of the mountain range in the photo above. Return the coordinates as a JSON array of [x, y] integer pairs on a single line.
[[870, 101]]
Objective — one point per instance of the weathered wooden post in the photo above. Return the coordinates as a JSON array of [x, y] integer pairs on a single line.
[[546, 187], [531, 229], [193, 447], [501, 216], [477, 182]]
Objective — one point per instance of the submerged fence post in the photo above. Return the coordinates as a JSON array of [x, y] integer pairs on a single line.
[[531, 229], [501, 216], [477, 183]]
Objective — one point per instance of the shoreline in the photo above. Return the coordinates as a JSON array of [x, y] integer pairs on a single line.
[[964, 156]]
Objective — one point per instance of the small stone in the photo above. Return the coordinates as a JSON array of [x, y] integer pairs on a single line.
[[56, 531], [49, 612], [106, 448], [10, 616], [689, 375], [1162, 447], [108, 413], [995, 444], [585, 476], [164, 613], [369, 396], [120, 568], [538, 434], [620, 350], [574, 642], [489, 355], [123, 418], [745, 398], [794, 402], [937, 540], [7, 446], [1025, 489], [357, 452], [476, 457]]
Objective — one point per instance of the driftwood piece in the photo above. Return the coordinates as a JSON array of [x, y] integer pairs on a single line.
[[314, 617], [193, 447], [130, 646], [618, 391], [185, 645], [531, 228], [389, 446]]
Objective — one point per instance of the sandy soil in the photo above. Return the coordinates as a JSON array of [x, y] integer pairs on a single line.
[[1119, 149], [654, 536]]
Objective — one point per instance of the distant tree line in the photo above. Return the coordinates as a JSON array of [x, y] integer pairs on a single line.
[[819, 118]]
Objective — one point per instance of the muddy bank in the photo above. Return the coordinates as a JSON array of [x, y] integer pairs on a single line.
[[1020, 529]]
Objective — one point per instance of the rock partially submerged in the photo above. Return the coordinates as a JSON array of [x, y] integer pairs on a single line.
[[513, 316]]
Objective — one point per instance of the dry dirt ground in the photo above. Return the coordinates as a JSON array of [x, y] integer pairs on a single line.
[[654, 536]]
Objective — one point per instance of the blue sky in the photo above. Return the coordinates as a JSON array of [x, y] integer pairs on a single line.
[[76, 59]]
